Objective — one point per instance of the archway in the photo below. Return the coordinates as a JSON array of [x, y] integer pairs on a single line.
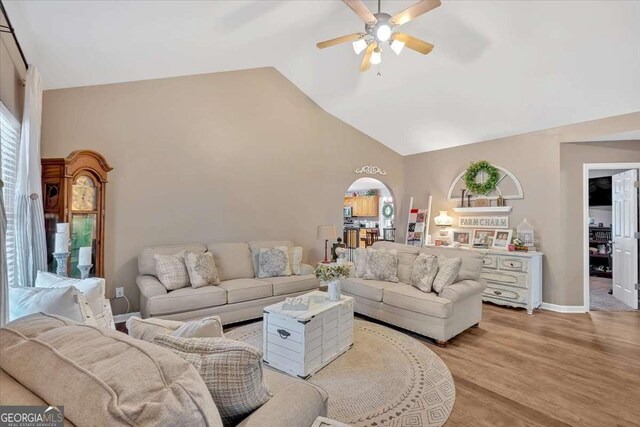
[[369, 211]]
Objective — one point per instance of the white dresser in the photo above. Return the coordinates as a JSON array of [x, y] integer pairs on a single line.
[[513, 278], [303, 342]]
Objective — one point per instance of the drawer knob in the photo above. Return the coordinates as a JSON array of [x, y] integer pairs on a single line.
[[283, 334], [497, 292], [511, 264]]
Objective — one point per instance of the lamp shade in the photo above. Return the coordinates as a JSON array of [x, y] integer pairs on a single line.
[[443, 219], [326, 232]]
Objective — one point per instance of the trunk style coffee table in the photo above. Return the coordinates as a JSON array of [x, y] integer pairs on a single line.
[[303, 342]]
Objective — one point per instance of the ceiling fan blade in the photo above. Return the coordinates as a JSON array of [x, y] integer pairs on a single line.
[[366, 61], [338, 40], [412, 12], [413, 43], [361, 10]]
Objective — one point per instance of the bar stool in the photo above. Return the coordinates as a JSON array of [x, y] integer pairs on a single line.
[[351, 240], [371, 237], [389, 234]]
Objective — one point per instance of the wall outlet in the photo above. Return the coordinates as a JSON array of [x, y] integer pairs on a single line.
[[119, 292]]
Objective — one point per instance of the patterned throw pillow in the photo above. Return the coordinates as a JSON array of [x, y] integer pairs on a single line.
[[274, 262], [382, 265], [448, 269], [360, 261], [202, 269], [296, 260], [424, 271], [232, 371], [171, 270]]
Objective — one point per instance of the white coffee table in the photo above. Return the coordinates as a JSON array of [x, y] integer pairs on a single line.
[[303, 342]]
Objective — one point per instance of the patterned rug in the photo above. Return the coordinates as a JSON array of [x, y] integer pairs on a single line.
[[385, 379]]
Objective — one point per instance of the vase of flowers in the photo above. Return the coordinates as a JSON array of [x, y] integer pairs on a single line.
[[331, 275]]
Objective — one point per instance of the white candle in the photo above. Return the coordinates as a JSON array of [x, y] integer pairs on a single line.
[[61, 243], [63, 227], [84, 257]]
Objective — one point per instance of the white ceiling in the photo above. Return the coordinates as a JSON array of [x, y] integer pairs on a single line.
[[499, 68]]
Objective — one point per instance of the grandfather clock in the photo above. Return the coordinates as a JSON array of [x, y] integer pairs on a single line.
[[73, 190]]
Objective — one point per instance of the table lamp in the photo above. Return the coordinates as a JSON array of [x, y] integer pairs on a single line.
[[443, 220], [326, 233]]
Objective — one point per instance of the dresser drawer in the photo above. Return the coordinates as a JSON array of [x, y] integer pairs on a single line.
[[490, 261], [513, 263], [506, 293], [509, 278]]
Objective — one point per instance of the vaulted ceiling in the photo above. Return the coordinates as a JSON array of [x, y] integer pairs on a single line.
[[499, 68]]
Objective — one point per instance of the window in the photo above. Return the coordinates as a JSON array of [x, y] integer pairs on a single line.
[[9, 149]]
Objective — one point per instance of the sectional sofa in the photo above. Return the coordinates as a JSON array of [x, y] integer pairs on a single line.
[[240, 296], [438, 316]]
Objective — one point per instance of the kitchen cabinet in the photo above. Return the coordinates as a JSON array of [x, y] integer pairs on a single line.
[[363, 205]]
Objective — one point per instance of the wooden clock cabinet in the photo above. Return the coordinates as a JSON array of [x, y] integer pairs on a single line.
[[73, 191]]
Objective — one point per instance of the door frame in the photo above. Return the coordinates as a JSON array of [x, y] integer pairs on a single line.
[[586, 168]]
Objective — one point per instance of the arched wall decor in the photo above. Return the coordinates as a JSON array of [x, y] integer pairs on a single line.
[[508, 186], [370, 170]]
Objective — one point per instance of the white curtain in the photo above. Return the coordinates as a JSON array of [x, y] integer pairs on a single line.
[[4, 279], [31, 245]]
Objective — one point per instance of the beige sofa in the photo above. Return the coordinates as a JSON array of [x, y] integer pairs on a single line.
[[106, 378], [441, 317], [240, 295]]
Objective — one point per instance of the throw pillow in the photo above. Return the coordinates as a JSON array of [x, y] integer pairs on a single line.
[[448, 269], [92, 290], [148, 329], [360, 262], [296, 260], [382, 264], [232, 371], [202, 269], [424, 271], [274, 262], [171, 270], [67, 302]]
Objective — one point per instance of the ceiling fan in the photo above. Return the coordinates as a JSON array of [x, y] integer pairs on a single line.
[[378, 28]]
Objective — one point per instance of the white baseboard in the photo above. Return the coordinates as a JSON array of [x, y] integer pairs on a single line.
[[121, 318], [563, 308]]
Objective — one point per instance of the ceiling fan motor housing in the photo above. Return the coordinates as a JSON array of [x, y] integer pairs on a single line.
[[382, 19]]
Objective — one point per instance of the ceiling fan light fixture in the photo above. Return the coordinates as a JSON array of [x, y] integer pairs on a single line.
[[397, 46], [359, 46], [383, 32], [376, 56]]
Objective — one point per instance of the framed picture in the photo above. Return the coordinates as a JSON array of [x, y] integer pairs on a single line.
[[461, 236], [503, 238], [484, 237]]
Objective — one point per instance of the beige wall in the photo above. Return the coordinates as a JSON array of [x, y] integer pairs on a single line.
[[550, 172], [11, 89], [218, 157]]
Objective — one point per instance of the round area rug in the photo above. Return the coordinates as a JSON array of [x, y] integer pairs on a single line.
[[386, 379]]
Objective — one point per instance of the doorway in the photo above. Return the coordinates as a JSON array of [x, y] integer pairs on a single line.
[[368, 213], [610, 240]]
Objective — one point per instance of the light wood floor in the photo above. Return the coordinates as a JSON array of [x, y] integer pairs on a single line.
[[548, 369]]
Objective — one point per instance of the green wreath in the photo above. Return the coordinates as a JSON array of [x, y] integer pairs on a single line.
[[493, 175], [387, 210]]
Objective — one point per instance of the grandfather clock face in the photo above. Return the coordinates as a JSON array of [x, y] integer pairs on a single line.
[[84, 195]]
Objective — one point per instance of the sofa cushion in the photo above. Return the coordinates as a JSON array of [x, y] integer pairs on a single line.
[[382, 264], [92, 289], [232, 371], [233, 260], [369, 289], [413, 299], [171, 270], [471, 261], [239, 290], [448, 269], [146, 264], [274, 262], [148, 329], [186, 299], [424, 271], [290, 284], [67, 301], [256, 245], [74, 366], [407, 254], [202, 269]]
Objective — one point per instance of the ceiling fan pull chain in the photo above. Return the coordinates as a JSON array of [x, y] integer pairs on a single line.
[[379, 73]]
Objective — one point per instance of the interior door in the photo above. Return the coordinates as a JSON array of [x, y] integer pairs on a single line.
[[625, 242]]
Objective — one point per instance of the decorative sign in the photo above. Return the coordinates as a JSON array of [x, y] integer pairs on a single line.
[[484, 221], [370, 170]]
